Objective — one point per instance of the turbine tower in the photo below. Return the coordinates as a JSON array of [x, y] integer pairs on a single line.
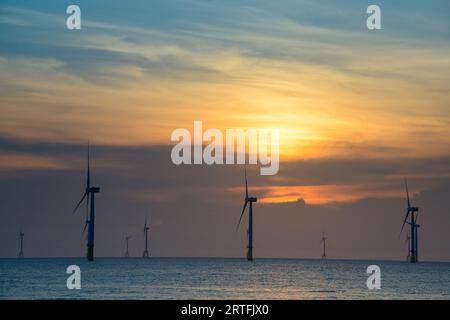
[[417, 240], [89, 196], [145, 255], [324, 242], [127, 237], [247, 200], [21, 235], [408, 240], [412, 213]]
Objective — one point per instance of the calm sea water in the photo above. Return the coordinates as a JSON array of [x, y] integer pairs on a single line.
[[214, 278]]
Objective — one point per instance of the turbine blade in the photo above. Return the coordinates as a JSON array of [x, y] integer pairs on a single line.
[[85, 225], [88, 180], [145, 225], [242, 213], [404, 222], [87, 206], [84, 196], [407, 194]]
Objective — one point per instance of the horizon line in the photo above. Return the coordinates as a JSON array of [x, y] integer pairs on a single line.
[[218, 257]]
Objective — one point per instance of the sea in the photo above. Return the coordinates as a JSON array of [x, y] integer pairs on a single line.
[[221, 278]]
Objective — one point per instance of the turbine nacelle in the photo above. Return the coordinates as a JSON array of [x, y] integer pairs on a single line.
[[93, 190]]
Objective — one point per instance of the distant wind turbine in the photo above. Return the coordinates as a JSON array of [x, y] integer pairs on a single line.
[[145, 255], [89, 196], [127, 237], [247, 200], [21, 235], [324, 242], [411, 212]]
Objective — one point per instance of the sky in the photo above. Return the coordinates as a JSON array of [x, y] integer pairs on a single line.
[[358, 112]]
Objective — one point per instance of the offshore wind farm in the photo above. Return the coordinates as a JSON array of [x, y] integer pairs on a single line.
[[225, 149], [234, 278]]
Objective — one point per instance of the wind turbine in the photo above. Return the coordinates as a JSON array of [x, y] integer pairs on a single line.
[[127, 237], [411, 212], [247, 200], [324, 241], [21, 235], [89, 196], [145, 255]]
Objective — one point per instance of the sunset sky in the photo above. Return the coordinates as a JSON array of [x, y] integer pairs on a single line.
[[358, 111]]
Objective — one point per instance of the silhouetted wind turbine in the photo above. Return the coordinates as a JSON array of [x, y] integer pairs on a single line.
[[411, 212], [145, 255], [127, 237], [21, 235], [324, 242], [89, 195], [247, 200]]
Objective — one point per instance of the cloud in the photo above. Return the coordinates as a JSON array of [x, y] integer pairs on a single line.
[[315, 75], [193, 210], [358, 111], [11, 162]]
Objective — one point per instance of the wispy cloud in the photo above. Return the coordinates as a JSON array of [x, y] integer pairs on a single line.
[[307, 67]]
